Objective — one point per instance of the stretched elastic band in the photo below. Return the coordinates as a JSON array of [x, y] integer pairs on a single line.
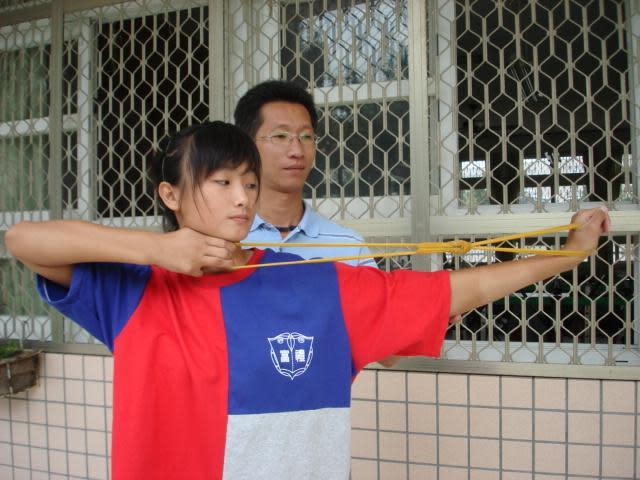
[[457, 247]]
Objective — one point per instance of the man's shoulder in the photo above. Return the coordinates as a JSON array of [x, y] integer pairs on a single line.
[[328, 228]]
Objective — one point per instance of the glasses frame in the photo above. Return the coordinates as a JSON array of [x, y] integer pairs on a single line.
[[290, 137]]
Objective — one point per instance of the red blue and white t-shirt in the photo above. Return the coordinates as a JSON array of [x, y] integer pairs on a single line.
[[246, 375]]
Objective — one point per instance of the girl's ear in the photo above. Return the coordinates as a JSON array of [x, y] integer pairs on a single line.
[[169, 195]]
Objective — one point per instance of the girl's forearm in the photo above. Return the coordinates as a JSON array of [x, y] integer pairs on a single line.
[[474, 287], [67, 242]]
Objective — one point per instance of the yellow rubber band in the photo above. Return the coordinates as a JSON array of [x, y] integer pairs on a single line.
[[458, 247]]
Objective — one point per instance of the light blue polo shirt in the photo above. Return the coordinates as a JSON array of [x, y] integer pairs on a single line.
[[313, 228]]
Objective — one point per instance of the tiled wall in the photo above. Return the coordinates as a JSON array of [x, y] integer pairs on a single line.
[[58, 430], [449, 427], [406, 426]]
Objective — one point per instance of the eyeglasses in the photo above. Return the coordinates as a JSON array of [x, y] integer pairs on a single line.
[[285, 139]]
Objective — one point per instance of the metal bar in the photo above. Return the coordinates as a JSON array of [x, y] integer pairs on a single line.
[[415, 364], [217, 70], [419, 124], [55, 135]]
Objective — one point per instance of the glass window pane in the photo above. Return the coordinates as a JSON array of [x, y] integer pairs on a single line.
[[24, 90], [339, 42]]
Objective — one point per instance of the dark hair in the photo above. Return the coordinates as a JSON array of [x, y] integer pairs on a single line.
[[196, 152], [247, 115]]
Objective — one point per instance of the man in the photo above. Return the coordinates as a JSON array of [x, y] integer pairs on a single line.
[[281, 118]]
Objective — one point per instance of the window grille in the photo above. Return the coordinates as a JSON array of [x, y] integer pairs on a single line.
[[530, 114]]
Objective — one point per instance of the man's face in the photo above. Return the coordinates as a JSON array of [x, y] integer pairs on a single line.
[[285, 167]]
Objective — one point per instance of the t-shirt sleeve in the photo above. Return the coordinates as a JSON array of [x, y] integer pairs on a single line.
[[101, 297], [398, 313]]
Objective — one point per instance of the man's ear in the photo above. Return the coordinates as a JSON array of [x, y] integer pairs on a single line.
[[169, 195]]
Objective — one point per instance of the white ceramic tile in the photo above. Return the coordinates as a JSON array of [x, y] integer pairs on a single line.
[[452, 389], [452, 420], [39, 459], [423, 449], [56, 414], [422, 418], [76, 440], [77, 465], [393, 471], [485, 453], [38, 435], [19, 410], [21, 456], [584, 395], [391, 386], [73, 366], [421, 387], [393, 446], [97, 467], [363, 469], [618, 429], [617, 462], [20, 433], [453, 451], [550, 393], [57, 437], [75, 416], [5, 431], [618, 396], [94, 393], [584, 460], [93, 367], [54, 365], [96, 418], [484, 422], [550, 426], [584, 428], [96, 443], [516, 455], [364, 385], [74, 391], [550, 458], [37, 411], [484, 390], [517, 392], [55, 389]]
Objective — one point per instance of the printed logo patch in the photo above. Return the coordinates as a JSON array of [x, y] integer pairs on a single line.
[[291, 353]]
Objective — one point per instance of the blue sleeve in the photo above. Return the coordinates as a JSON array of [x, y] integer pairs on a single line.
[[101, 298]]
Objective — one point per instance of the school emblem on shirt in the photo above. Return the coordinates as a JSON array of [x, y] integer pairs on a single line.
[[291, 353]]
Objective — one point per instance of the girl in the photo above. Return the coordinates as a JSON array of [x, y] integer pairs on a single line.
[[244, 374]]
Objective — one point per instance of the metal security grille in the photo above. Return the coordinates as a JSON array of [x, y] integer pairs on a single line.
[[542, 113], [354, 56], [542, 124], [438, 120]]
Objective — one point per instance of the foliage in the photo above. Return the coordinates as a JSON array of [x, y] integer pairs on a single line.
[[9, 348]]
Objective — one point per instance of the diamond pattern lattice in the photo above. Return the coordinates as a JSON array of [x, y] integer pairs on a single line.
[[547, 81]]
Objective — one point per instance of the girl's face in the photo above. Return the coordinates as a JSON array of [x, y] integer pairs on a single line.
[[222, 206]]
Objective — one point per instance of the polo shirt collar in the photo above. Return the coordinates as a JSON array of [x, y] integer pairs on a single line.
[[309, 223]]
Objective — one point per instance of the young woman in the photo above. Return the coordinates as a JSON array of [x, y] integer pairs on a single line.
[[244, 374]]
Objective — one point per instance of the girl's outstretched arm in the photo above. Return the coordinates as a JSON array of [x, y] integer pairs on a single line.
[[473, 287], [52, 248]]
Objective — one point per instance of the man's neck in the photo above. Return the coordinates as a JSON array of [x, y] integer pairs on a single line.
[[280, 209]]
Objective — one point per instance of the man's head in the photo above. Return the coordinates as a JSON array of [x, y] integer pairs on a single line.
[[248, 112], [281, 118]]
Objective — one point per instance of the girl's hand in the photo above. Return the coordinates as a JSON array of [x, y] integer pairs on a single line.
[[594, 222], [192, 253]]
